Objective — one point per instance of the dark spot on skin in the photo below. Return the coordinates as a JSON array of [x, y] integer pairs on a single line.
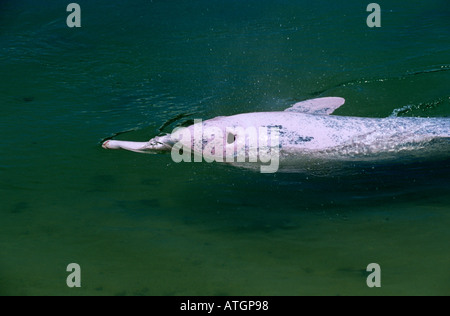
[[305, 139], [231, 138], [281, 131], [277, 126]]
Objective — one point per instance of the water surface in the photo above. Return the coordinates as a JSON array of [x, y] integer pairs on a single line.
[[143, 225]]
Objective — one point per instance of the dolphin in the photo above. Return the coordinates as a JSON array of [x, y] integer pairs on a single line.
[[306, 133]]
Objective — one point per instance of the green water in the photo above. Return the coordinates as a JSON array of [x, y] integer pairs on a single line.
[[144, 225]]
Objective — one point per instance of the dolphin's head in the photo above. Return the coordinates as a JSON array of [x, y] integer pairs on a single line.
[[232, 139]]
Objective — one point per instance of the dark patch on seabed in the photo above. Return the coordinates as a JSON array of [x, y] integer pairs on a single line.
[[152, 182], [20, 207], [140, 206]]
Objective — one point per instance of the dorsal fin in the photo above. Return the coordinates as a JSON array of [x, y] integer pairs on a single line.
[[320, 106]]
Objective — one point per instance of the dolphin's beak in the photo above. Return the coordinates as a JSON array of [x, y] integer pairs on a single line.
[[157, 144], [117, 144]]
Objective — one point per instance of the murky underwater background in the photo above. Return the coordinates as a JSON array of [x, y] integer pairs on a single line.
[[144, 225]]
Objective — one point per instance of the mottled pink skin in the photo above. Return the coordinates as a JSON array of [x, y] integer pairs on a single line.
[[116, 144]]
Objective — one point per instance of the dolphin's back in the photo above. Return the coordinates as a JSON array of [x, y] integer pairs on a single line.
[[342, 137]]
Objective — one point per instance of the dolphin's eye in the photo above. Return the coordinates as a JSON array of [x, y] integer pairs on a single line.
[[231, 138]]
